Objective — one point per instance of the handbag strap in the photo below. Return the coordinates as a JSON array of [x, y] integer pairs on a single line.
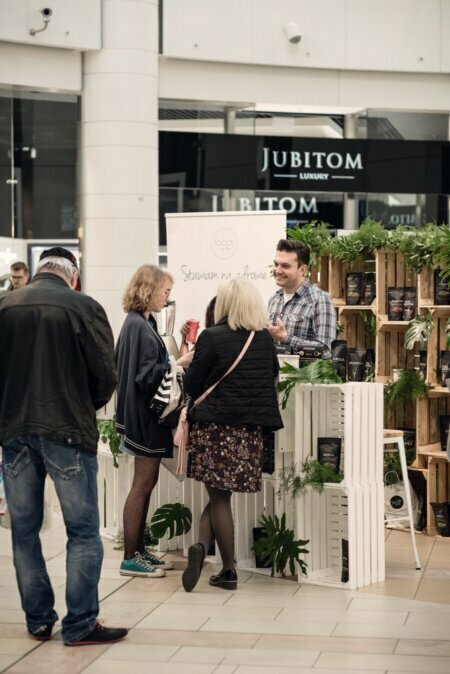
[[201, 398]]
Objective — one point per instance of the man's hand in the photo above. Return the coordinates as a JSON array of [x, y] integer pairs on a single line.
[[278, 331]]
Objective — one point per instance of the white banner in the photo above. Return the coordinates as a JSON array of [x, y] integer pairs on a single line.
[[204, 249]]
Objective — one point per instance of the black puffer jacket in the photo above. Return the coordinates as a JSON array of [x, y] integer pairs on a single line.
[[247, 395], [56, 363]]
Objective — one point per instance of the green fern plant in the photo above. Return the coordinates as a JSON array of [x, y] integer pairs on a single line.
[[419, 330], [311, 474], [409, 386], [317, 372], [109, 435], [361, 244], [278, 547]]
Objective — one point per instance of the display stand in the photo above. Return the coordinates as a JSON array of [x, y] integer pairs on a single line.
[[353, 510]]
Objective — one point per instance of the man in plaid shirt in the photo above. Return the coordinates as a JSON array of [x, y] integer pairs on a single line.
[[300, 314]]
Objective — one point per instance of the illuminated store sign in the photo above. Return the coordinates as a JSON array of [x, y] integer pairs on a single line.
[[310, 164], [281, 164]]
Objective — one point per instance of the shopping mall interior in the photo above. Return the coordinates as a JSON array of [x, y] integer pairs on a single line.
[[119, 116]]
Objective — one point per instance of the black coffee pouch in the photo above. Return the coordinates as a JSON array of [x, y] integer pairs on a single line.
[[409, 303], [395, 304], [345, 561], [445, 366], [441, 289], [339, 357], [329, 452], [370, 288], [356, 364], [441, 513], [308, 353], [354, 287]]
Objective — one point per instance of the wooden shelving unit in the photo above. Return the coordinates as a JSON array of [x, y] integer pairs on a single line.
[[390, 353]]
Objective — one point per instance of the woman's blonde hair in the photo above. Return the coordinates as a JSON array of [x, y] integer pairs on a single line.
[[241, 303], [145, 281]]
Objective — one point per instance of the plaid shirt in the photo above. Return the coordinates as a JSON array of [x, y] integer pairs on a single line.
[[309, 317]]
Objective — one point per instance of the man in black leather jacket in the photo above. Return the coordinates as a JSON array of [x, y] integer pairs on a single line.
[[56, 369]]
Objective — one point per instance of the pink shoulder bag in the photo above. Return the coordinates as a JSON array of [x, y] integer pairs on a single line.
[[181, 437]]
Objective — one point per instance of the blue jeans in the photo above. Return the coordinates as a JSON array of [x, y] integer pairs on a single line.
[[27, 461]]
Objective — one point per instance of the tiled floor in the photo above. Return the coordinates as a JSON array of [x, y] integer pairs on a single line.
[[268, 626]]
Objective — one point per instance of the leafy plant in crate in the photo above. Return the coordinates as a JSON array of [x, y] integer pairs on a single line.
[[278, 547], [316, 236], [409, 386], [362, 244], [317, 372], [419, 331], [312, 473], [109, 435]]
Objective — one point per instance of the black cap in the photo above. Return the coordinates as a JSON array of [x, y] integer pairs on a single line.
[[59, 251]]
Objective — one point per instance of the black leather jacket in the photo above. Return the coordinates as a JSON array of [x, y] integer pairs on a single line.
[[56, 363], [247, 395]]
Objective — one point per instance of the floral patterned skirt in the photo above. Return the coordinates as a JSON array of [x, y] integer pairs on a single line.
[[226, 457]]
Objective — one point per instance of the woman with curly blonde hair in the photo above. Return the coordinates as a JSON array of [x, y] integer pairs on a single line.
[[142, 361]]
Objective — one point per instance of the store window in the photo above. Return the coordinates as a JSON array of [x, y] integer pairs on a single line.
[[38, 167]]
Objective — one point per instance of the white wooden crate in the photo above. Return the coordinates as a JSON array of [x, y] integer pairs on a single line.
[[350, 513], [352, 412]]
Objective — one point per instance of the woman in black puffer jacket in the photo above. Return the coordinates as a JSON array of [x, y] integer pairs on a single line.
[[225, 444]]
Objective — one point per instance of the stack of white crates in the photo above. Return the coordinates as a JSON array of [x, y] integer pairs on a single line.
[[352, 510]]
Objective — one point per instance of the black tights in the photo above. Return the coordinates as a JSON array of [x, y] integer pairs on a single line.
[[216, 523], [146, 472]]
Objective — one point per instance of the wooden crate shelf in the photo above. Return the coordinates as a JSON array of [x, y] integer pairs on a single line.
[[390, 353]]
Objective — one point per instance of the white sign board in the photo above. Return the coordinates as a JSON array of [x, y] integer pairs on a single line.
[[204, 249]]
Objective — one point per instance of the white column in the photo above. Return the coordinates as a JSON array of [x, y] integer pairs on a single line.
[[119, 152], [349, 202]]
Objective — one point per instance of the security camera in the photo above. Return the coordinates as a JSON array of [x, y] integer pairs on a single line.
[[292, 32], [46, 13]]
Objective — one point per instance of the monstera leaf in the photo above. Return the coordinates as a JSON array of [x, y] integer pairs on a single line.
[[278, 547], [174, 518]]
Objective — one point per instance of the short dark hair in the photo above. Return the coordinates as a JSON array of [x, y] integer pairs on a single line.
[[294, 246], [20, 266]]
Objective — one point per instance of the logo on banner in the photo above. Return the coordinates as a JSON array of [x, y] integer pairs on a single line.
[[224, 243], [312, 165]]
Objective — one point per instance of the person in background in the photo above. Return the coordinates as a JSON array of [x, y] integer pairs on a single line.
[[56, 369], [20, 275], [300, 314], [225, 444], [142, 361]]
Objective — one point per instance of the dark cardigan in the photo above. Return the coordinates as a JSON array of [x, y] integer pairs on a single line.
[[247, 395], [141, 359]]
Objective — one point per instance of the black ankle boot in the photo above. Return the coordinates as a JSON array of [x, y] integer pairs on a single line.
[[196, 556], [227, 580]]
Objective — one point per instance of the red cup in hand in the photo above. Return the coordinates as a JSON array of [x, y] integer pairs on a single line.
[[193, 327]]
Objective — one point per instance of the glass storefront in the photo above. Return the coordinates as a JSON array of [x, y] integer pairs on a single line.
[[39, 166]]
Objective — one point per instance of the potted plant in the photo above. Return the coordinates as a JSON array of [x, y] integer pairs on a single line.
[[277, 546], [409, 386], [171, 519], [317, 372], [316, 236], [312, 474]]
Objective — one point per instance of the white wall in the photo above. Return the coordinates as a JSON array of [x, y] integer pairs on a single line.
[[40, 67], [381, 35], [302, 87], [74, 24]]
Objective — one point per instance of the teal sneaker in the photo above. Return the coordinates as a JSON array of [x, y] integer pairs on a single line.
[[157, 562], [139, 567]]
